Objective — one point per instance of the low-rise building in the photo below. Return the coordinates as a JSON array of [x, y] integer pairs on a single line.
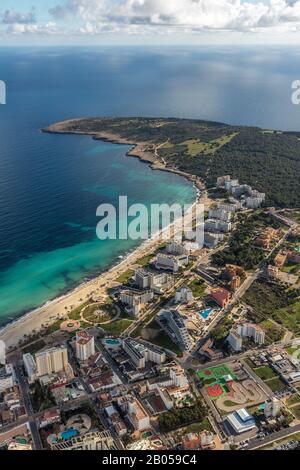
[[209, 351], [49, 417], [240, 422]]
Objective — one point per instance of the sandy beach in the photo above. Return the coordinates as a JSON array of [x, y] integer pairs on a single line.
[[97, 287]]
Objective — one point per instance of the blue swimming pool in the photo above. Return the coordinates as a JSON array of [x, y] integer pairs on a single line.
[[206, 313], [69, 434]]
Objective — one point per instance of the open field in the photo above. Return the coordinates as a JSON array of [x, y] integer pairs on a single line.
[[270, 300], [265, 373]]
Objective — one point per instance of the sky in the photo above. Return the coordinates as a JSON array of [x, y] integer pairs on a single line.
[[149, 22]]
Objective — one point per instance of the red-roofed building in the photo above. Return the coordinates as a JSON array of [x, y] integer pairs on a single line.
[[221, 296], [50, 417]]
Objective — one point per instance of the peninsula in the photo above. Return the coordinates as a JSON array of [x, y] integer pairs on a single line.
[[266, 159]]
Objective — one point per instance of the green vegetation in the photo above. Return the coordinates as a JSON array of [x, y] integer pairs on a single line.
[[296, 412], [41, 397], [117, 327], [274, 333], [275, 301], [145, 260], [75, 314], [265, 373], [293, 400], [270, 161], [164, 341], [196, 147], [180, 417], [99, 313], [198, 288], [34, 347], [242, 250], [276, 384], [199, 427], [221, 331]]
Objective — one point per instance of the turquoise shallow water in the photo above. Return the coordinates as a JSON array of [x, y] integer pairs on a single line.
[[55, 247]]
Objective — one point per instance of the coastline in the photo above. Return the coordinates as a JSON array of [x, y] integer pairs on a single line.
[[34, 320]]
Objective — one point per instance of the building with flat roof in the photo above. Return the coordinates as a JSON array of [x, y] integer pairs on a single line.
[[149, 280], [171, 262], [214, 225], [135, 300], [173, 324], [220, 214], [85, 346], [93, 440], [246, 330], [135, 412], [141, 353], [51, 361], [30, 367], [184, 294], [7, 377], [221, 296]]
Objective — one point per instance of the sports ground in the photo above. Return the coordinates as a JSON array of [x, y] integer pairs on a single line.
[[217, 380]]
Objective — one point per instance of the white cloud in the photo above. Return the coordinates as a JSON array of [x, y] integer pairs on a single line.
[[180, 15], [22, 28], [14, 17]]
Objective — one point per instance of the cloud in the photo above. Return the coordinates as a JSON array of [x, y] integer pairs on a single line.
[[13, 17], [180, 15], [22, 28]]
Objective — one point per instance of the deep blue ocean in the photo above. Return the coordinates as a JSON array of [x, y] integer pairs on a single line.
[[50, 186]]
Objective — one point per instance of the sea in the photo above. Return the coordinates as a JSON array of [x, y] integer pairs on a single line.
[[51, 185]]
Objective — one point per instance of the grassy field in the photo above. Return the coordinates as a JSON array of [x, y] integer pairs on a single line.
[[117, 327], [197, 147], [124, 278], [198, 288], [276, 384]]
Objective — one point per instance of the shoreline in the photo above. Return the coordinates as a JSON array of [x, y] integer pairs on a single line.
[[58, 308]]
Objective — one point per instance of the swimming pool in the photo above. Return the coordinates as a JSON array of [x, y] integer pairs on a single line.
[[69, 434], [112, 342], [206, 313]]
